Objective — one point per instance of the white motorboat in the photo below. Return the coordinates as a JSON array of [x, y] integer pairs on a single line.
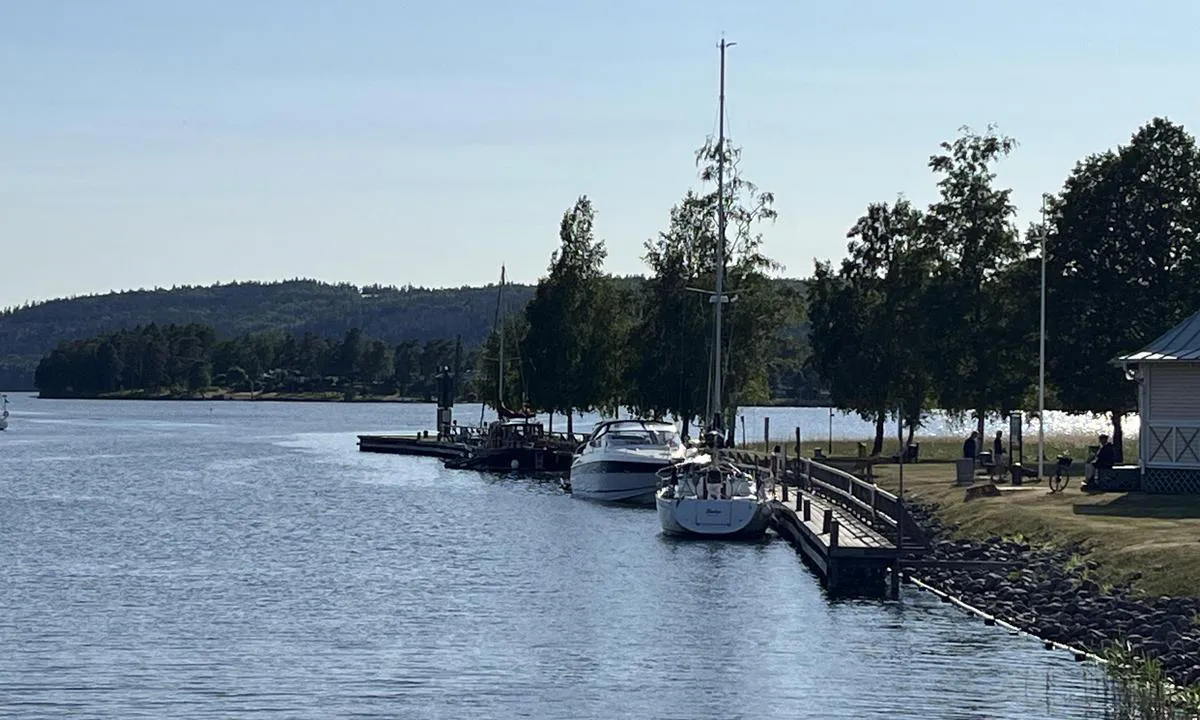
[[621, 459], [3, 412], [705, 495]]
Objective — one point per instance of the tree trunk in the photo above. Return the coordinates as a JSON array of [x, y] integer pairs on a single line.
[[571, 424], [1118, 437], [912, 429], [979, 418], [879, 420], [550, 427]]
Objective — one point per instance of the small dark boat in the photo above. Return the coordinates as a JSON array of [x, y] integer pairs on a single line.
[[518, 443]]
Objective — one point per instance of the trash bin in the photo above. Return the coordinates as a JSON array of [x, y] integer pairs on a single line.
[[913, 454], [964, 471], [862, 450]]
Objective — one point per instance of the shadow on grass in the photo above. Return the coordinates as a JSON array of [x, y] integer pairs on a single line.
[[1142, 505]]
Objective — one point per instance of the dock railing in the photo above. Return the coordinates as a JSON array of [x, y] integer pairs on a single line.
[[871, 504]]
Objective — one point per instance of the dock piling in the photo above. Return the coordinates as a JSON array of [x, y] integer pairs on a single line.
[[807, 510], [826, 520]]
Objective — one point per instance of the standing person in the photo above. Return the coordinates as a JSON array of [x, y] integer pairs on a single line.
[[998, 448], [971, 446]]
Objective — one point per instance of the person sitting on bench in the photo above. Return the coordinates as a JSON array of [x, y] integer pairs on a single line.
[[1106, 456]]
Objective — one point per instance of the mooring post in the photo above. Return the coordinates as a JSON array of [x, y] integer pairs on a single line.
[[781, 475], [826, 520], [806, 509], [799, 448], [834, 527], [766, 434]]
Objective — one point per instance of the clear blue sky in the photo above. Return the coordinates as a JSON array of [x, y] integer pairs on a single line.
[[149, 142]]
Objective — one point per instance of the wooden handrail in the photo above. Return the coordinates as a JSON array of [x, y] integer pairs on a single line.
[[876, 504]]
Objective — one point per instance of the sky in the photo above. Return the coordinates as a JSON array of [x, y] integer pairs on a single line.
[[148, 143]]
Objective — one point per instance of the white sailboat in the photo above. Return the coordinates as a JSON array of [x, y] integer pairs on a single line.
[[3, 412], [706, 495]]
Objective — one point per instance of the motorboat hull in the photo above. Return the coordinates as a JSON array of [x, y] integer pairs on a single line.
[[624, 482], [733, 518]]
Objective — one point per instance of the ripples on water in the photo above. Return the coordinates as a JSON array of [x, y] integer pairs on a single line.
[[244, 560]]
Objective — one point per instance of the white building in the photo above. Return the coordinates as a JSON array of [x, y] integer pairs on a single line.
[[1168, 375]]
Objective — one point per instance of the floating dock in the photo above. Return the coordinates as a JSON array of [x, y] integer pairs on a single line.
[[413, 445]]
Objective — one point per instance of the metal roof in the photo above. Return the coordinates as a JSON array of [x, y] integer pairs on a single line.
[[1179, 344]]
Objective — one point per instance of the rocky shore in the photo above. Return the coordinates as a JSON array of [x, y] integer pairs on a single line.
[[1051, 593]]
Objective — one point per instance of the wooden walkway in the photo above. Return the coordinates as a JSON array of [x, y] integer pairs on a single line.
[[850, 531]]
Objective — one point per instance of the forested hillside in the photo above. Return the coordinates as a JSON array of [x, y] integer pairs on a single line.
[[390, 314]]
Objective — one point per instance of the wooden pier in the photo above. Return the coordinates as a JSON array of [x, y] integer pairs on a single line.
[[413, 445], [855, 535]]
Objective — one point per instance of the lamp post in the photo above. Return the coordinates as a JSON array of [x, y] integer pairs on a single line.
[[831, 432], [1042, 355]]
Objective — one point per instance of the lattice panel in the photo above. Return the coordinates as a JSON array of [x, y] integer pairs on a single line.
[[1187, 445], [1171, 480], [1160, 444]]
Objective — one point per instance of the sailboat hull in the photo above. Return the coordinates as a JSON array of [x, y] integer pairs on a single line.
[[740, 518]]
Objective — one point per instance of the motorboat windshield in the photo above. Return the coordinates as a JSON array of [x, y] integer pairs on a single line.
[[636, 433]]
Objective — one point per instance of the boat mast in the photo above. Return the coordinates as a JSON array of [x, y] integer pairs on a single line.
[[497, 327], [500, 364], [716, 408]]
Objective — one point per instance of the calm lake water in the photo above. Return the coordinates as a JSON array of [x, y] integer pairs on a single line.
[[217, 560]]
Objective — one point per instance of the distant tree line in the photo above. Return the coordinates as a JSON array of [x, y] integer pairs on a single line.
[[191, 359], [299, 307], [293, 307], [939, 307]]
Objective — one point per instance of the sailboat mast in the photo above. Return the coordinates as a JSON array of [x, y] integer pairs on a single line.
[[500, 324], [716, 407]]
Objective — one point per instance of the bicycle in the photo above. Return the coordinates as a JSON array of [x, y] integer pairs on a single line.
[[1062, 474]]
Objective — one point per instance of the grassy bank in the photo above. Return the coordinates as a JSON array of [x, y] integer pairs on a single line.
[[1149, 543]]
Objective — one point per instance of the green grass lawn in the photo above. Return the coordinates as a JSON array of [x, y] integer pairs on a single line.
[[1149, 542]]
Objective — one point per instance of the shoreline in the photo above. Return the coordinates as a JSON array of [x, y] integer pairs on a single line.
[[1053, 597], [316, 397], [1099, 574], [331, 396]]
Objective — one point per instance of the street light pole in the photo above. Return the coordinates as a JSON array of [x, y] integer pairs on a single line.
[[1042, 356]]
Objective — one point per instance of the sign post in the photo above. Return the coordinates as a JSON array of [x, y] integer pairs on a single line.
[[1016, 450]]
